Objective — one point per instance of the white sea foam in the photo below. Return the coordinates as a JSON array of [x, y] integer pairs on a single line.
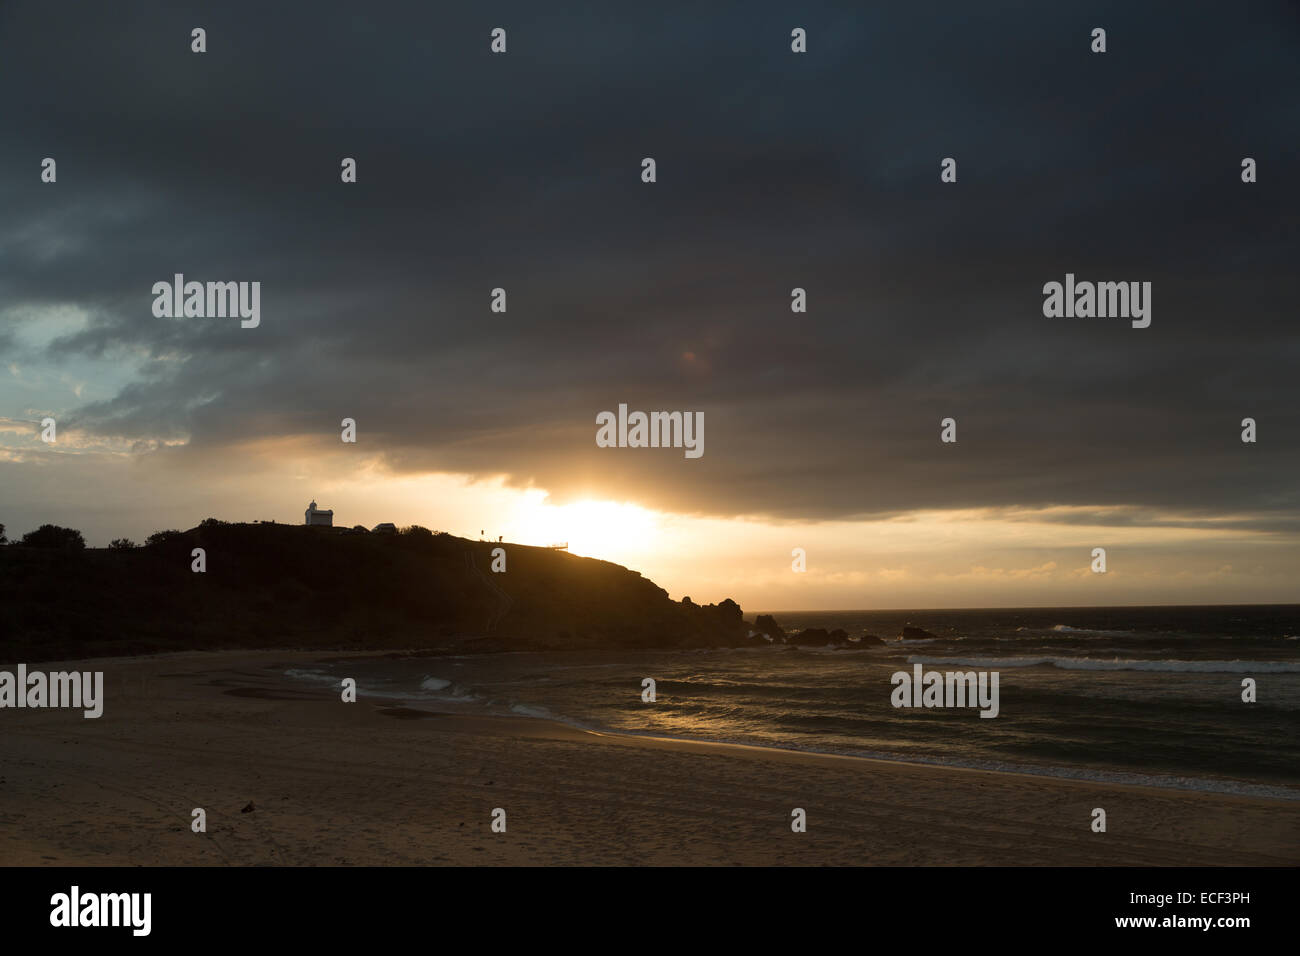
[[527, 711], [1117, 664], [436, 688], [319, 677], [431, 688]]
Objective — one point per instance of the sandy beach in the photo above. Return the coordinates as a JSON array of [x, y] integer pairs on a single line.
[[376, 783]]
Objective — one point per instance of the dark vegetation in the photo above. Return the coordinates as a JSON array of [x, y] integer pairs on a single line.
[[292, 586]]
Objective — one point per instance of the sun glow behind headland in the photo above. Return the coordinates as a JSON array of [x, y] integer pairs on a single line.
[[613, 531], [956, 558]]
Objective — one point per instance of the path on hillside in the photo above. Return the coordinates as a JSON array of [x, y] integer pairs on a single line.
[[504, 600]]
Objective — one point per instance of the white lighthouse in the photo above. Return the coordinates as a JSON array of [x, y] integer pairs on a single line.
[[318, 517]]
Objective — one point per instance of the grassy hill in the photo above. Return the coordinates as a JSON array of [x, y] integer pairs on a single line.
[[295, 586]]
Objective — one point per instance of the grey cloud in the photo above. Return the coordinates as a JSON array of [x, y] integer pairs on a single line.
[[775, 171]]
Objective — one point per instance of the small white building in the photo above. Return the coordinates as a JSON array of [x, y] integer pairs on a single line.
[[317, 517]]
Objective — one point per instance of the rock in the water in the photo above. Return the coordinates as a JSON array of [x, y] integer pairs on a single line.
[[819, 637], [767, 624], [249, 808], [811, 637], [916, 634]]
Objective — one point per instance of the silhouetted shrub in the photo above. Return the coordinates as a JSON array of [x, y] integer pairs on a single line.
[[52, 536]]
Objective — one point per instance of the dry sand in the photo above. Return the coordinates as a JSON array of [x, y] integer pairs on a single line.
[[373, 783]]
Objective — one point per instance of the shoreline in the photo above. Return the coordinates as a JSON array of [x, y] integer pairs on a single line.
[[413, 707], [1239, 788], [340, 784]]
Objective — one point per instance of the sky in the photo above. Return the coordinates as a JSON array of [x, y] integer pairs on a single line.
[[774, 170]]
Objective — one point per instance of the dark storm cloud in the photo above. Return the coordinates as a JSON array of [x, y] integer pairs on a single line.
[[775, 171]]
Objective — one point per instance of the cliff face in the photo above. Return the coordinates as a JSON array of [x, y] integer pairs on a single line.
[[292, 586]]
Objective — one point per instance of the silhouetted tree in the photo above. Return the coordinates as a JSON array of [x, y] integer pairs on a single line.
[[122, 544], [3, 539], [52, 536], [158, 537]]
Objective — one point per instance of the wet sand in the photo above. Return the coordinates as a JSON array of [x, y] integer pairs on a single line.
[[375, 782]]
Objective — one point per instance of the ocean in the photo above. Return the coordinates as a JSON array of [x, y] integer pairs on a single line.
[[1149, 695]]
